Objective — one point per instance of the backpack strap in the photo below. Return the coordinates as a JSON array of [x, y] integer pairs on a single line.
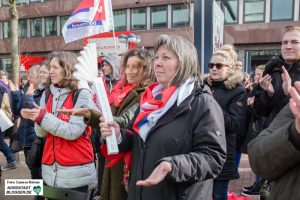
[[75, 94], [47, 95], [2, 91]]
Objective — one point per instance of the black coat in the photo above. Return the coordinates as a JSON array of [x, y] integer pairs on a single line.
[[232, 97], [269, 107], [192, 138]]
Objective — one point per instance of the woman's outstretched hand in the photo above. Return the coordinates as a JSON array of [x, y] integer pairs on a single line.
[[158, 174], [83, 112]]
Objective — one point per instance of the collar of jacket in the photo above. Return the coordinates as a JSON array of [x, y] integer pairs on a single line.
[[234, 78], [183, 107]]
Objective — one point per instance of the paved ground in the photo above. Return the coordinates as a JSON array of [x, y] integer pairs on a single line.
[[246, 177], [22, 172]]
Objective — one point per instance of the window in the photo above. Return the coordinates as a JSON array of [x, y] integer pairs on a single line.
[[32, 1], [36, 27], [21, 1], [277, 8], [254, 10], [234, 10], [22, 29], [5, 2], [138, 18], [50, 26], [6, 30], [120, 20], [63, 20], [6, 65], [159, 17], [180, 15]]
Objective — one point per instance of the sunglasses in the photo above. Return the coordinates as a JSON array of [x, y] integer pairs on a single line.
[[218, 65]]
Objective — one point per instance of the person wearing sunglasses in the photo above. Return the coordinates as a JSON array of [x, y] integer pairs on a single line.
[[225, 83]]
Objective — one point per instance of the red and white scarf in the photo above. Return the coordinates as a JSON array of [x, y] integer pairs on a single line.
[[154, 99]]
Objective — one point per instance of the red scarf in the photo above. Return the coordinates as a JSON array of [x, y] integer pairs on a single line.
[[155, 104], [149, 104], [122, 93]]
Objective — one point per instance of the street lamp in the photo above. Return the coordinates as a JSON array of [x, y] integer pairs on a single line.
[[130, 38]]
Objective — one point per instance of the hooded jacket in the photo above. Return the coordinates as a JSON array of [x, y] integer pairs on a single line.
[[115, 63], [232, 97]]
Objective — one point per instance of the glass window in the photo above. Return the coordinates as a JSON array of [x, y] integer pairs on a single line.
[[36, 27], [254, 10], [180, 15], [21, 1], [120, 20], [5, 2], [50, 26], [6, 65], [63, 20], [233, 4], [32, 1], [277, 6], [6, 30], [159, 17], [138, 18], [22, 29]]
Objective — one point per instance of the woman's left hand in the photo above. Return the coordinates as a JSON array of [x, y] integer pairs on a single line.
[[158, 174], [31, 114]]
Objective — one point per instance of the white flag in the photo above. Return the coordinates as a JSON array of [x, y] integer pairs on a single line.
[[91, 17]]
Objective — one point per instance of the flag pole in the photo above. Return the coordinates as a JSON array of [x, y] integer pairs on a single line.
[[113, 26]]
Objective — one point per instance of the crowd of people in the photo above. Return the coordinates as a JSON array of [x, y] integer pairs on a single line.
[[180, 135]]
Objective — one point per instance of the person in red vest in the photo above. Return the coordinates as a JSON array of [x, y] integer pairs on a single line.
[[68, 158]]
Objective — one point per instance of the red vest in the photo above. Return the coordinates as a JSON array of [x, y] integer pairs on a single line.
[[67, 152]]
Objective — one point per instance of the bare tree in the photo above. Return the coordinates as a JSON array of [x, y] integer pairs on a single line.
[[15, 59]]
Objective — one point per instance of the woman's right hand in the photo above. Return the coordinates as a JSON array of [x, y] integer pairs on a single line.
[[105, 128], [83, 112]]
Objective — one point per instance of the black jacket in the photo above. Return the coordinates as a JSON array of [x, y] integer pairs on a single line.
[[232, 97], [192, 138], [269, 107], [275, 156]]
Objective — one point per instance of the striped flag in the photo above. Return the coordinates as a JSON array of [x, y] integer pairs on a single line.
[[91, 17]]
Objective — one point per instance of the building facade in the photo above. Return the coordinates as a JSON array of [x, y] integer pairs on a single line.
[[255, 31]]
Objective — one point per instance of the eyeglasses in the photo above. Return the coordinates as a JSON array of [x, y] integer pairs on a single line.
[[218, 65]]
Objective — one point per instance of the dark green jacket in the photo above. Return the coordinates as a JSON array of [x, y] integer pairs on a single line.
[[275, 155]]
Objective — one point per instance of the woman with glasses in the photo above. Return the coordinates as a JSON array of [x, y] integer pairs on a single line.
[[225, 83]]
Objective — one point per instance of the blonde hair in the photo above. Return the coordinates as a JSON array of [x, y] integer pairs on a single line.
[[67, 61], [186, 53], [289, 29], [228, 52], [261, 67], [35, 69]]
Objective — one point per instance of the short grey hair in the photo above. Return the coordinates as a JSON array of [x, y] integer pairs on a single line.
[[187, 55]]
